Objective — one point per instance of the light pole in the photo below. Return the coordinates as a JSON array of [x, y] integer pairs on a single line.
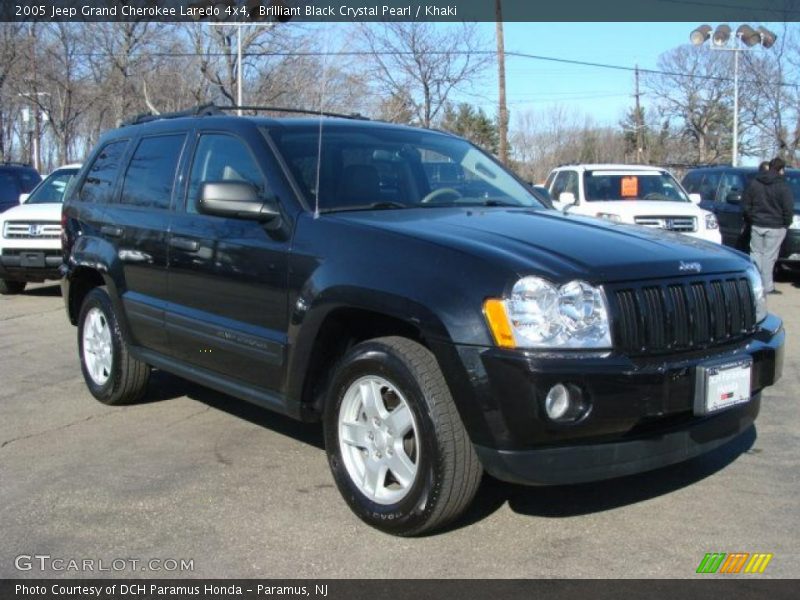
[[746, 35], [33, 97]]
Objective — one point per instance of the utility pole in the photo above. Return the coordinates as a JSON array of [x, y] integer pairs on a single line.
[[37, 119], [639, 123], [502, 113]]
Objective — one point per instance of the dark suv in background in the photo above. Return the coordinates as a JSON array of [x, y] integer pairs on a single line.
[[721, 188], [439, 320], [16, 179]]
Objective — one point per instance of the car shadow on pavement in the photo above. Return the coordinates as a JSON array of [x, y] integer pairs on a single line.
[[165, 386], [44, 291], [587, 498], [544, 501]]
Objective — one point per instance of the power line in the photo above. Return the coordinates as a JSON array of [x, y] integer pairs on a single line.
[[356, 53]]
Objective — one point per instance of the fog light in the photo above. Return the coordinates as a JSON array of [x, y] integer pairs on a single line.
[[565, 402], [557, 402]]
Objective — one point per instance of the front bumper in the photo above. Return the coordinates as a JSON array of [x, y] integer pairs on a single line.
[[641, 416], [30, 264]]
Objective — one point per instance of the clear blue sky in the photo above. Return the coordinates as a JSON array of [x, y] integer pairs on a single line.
[[603, 94]]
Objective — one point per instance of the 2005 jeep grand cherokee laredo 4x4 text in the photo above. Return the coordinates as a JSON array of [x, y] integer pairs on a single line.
[[323, 269]]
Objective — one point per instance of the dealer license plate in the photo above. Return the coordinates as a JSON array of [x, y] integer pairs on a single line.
[[722, 385], [32, 260]]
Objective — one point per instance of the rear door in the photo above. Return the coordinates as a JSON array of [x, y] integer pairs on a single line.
[[227, 309], [138, 222]]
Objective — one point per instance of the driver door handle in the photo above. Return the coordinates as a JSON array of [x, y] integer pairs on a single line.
[[112, 231], [182, 243]]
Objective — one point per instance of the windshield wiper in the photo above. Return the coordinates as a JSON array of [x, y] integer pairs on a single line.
[[383, 205], [500, 203]]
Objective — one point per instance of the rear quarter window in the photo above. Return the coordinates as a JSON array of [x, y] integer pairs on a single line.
[[98, 184], [151, 173]]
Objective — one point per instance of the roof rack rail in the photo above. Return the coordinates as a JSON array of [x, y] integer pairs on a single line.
[[15, 163], [209, 110], [300, 111], [196, 111]]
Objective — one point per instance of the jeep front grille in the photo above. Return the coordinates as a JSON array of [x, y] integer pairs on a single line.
[[23, 230], [684, 315], [682, 224]]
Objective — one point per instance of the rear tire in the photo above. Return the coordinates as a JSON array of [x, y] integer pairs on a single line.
[[9, 287], [396, 445], [112, 375]]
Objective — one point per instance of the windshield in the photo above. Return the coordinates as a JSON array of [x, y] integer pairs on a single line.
[[51, 190], [632, 185], [369, 167]]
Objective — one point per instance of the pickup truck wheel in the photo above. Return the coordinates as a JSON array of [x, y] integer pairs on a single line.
[[8, 287], [111, 373], [397, 449]]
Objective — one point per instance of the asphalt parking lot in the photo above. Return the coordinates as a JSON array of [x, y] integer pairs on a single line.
[[195, 475]]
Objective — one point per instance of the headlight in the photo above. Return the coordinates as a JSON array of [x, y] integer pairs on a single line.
[[541, 315], [757, 286], [610, 217], [795, 222], [711, 221]]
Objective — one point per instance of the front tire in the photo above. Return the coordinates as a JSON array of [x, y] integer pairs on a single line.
[[9, 287], [112, 375], [396, 445]]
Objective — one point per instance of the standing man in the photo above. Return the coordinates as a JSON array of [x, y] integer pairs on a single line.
[[768, 206]]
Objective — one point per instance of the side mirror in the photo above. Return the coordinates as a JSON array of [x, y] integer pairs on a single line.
[[235, 200], [23, 197], [696, 198], [567, 198], [734, 198]]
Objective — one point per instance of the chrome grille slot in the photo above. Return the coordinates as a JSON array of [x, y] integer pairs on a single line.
[[681, 224], [24, 230], [653, 318]]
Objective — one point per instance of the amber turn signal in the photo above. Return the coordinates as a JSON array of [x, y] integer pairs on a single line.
[[495, 312]]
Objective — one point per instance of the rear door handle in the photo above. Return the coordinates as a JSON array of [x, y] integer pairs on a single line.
[[112, 231], [182, 243]]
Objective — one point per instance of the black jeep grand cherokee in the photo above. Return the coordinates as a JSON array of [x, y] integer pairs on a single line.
[[439, 328]]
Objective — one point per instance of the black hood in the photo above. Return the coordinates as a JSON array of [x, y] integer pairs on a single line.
[[547, 243], [770, 178]]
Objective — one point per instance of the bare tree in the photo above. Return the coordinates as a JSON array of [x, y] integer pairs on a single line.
[[10, 39], [770, 96], [556, 135], [695, 91], [425, 62], [216, 49]]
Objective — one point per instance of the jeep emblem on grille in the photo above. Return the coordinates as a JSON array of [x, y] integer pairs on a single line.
[[695, 267]]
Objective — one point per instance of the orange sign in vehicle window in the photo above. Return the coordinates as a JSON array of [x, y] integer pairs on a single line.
[[630, 187]]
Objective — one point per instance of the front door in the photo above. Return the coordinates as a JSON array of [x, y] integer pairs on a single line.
[[227, 308]]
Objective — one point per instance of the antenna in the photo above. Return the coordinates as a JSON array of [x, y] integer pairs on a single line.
[[321, 114]]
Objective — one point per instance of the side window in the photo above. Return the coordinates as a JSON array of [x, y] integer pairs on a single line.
[[731, 182], [708, 188], [691, 182], [102, 174], [221, 157], [151, 172]]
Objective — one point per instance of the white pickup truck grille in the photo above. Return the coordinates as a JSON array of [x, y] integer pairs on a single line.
[[25, 230], [683, 224]]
